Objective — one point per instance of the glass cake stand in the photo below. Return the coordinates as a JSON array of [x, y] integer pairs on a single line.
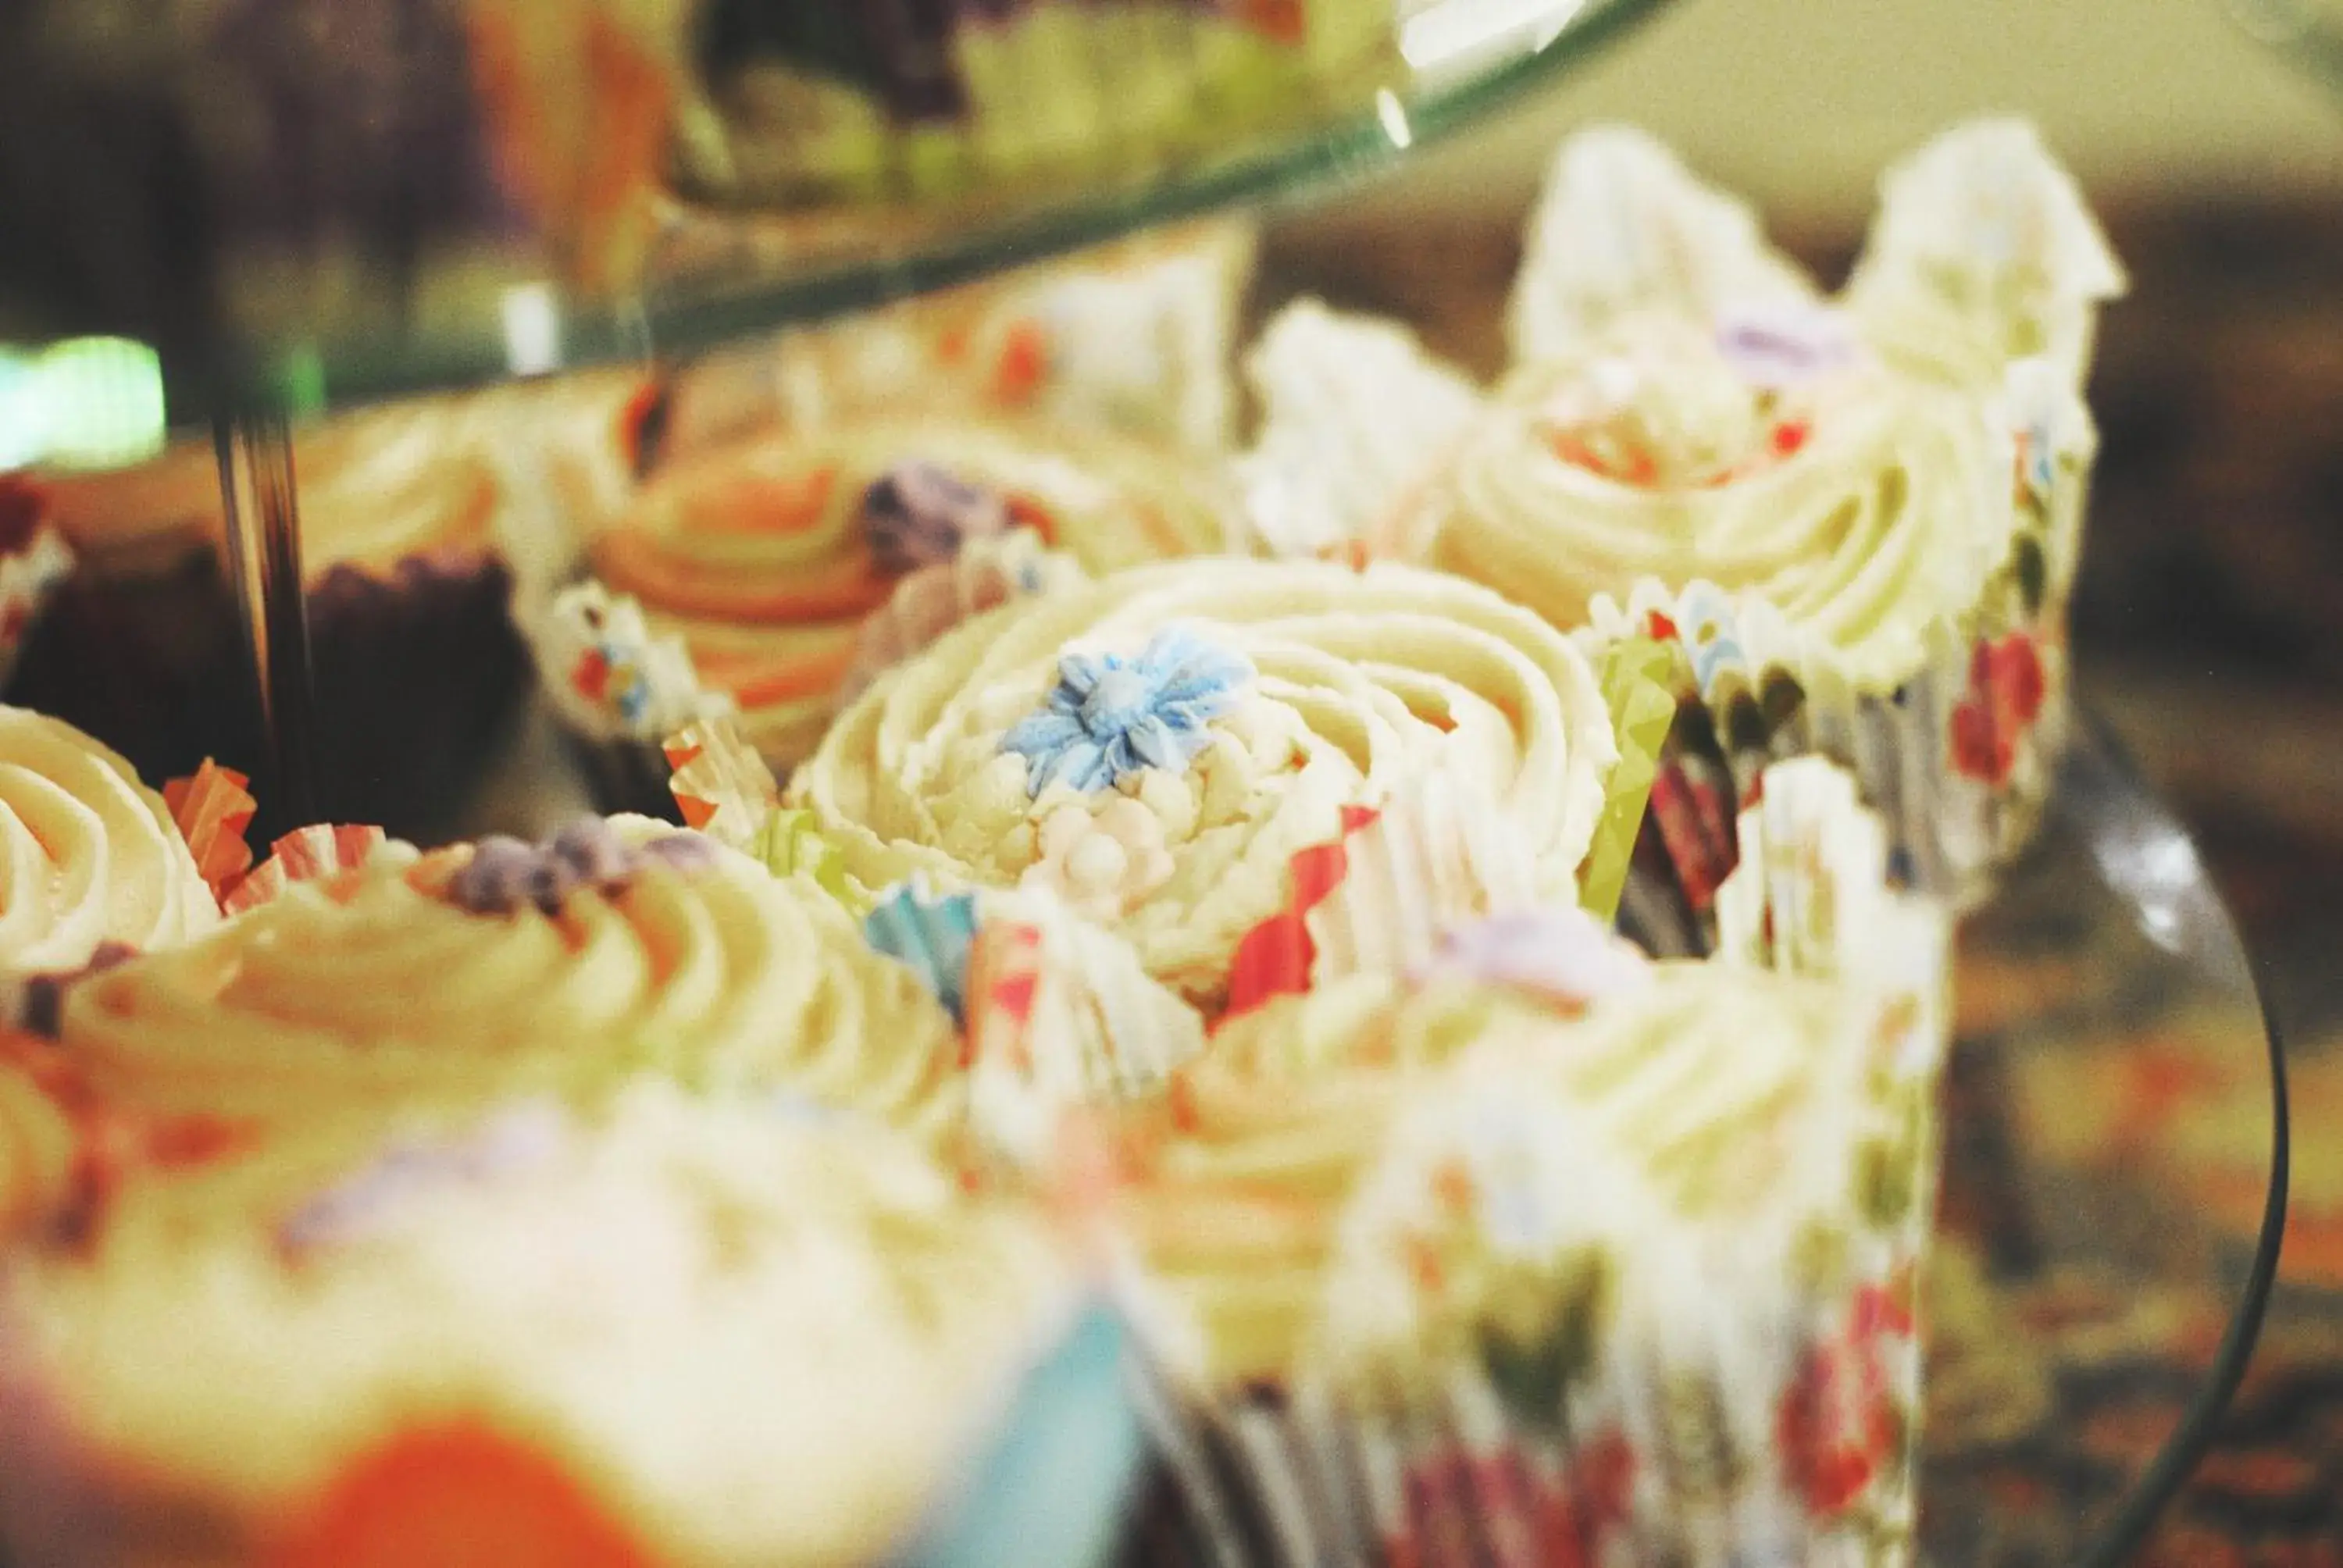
[[2102, 1268]]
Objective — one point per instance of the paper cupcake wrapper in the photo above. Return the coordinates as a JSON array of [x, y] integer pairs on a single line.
[[1785, 1436], [721, 786], [308, 855], [1061, 1017], [1957, 758], [1622, 227], [212, 808]]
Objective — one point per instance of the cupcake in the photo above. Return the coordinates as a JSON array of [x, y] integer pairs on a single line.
[[1164, 743], [503, 968], [1694, 448], [1552, 1263], [1134, 339], [416, 521], [770, 559], [95, 859], [671, 1331]]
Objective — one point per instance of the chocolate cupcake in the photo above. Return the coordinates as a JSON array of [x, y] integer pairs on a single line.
[[418, 521]]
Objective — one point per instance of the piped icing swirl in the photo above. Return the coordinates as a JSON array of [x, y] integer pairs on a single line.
[[1862, 505], [1287, 1189], [1244, 705], [766, 556], [474, 974], [88, 853], [754, 1336]]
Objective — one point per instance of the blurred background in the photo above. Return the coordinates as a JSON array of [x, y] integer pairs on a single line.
[[2210, 623]]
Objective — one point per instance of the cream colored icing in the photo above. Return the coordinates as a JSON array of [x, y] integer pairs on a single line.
[[755, 1339], [1363, 682], [88, 853], [369, 991], [36, 1152], [1863, 506]]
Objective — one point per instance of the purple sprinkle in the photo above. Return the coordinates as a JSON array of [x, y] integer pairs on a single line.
[[496, 880], [40, 999], [1782, 346], [504, 873], [590, 848], [918, 515], [685, 852], [551, 880]]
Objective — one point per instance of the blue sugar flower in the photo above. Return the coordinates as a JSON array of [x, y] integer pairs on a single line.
[[1108, 717], [930, 932]]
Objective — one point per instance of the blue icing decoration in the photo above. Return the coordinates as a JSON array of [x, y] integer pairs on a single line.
[[1707, 628], [931, 933], [1055, 1480], [1110, 718]]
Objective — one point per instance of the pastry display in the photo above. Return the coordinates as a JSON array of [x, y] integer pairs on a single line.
[[739, 101], [1404, 960]]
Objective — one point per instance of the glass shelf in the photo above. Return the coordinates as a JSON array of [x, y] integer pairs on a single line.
[[2101, 1273], [259, 279]]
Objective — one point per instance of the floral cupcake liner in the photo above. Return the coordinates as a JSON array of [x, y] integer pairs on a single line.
[[1957, 758], [1781, 1437]]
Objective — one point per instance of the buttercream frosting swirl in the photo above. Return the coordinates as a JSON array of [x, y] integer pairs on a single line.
[[754, 1337], [375, 987], [1864, 507], [88, 853], [1362, 681]]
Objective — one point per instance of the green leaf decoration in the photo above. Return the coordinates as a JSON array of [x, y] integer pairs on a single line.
[[1633, 675]]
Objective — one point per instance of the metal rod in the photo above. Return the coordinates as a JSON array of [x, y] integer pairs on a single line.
[[264, 549]]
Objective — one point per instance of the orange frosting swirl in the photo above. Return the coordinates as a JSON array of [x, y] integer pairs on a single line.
[[758, 554]]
